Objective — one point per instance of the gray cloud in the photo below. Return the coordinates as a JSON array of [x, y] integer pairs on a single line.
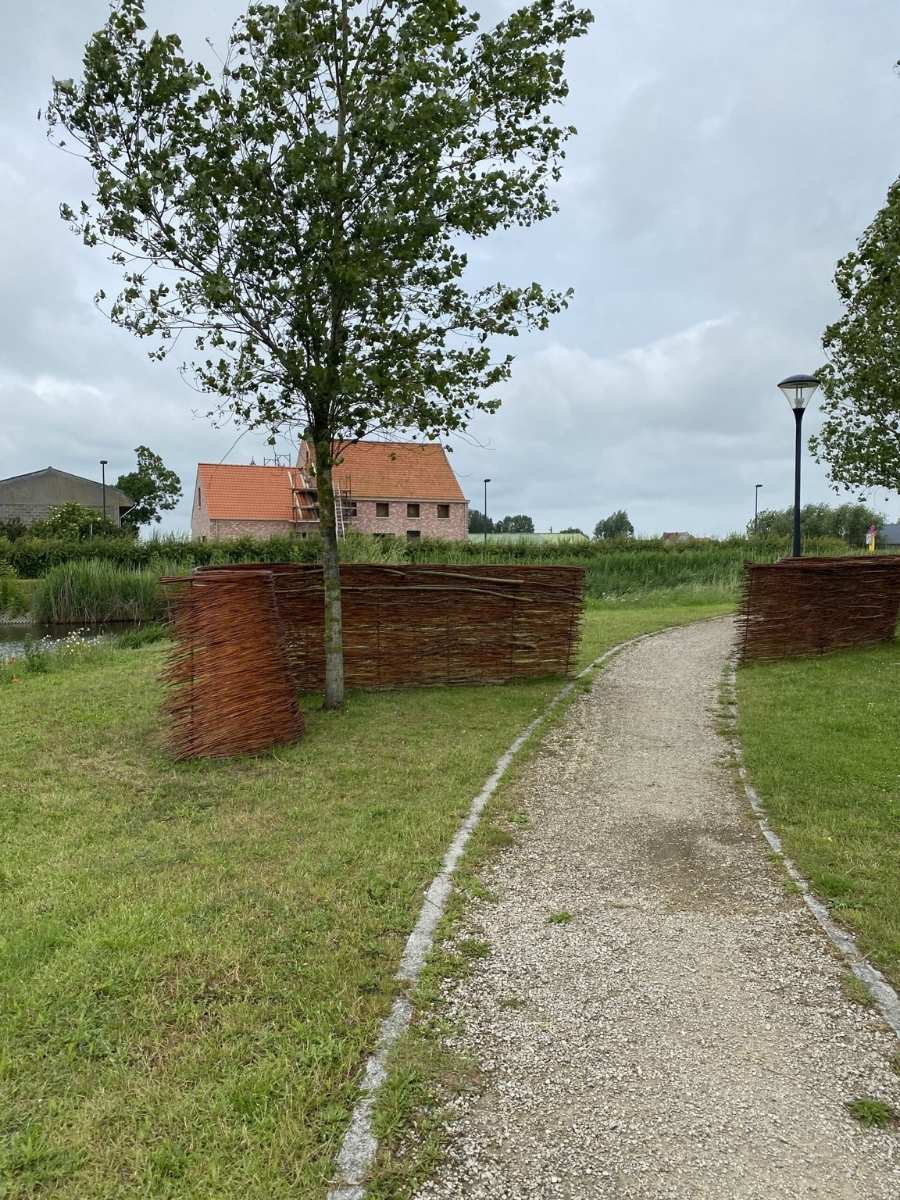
[[727, 156]]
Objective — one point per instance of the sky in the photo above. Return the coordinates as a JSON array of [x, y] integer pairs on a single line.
[[727, 155]]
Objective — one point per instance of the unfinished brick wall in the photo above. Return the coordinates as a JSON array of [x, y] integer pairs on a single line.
[[812, 605]]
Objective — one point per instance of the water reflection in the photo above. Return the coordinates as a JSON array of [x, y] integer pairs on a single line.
[[14, 638]]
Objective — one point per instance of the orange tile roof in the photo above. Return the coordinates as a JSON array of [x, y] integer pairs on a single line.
[[367, 470], [397, 471], [246, 493]]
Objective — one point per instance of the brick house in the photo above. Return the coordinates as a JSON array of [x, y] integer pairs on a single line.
[[407, 489]]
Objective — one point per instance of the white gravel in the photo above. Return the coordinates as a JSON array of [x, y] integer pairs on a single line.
[[684, 1036]]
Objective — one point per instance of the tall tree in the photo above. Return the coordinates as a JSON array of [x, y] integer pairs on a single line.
[[479, 523], [304, 216], [517, 524], [615, 525], [152, 488], [860, 436]]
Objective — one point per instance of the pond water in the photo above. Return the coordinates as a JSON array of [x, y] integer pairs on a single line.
[[14, 638]]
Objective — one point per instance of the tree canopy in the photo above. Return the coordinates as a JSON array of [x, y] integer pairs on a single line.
[[847, 521], [860, 437], [615, 525], [301, 220], [517, 524], [152, 488], [479, 523]]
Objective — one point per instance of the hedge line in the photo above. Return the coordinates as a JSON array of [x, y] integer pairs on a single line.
[[32, 558]]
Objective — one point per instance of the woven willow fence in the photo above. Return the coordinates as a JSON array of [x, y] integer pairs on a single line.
[[812, 605], [230, 687], [240, 660]]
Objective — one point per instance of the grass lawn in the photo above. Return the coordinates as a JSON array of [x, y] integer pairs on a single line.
[[194, 958], [822, 743]]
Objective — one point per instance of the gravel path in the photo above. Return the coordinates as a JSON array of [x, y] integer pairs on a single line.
[[684, 1036]]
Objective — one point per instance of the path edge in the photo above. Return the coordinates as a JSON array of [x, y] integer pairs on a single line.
[[359, 1145], [883, 994]]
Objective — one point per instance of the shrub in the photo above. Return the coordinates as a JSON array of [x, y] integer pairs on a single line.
[[12, 597], [76, 521], [12, 528], [90, 592]]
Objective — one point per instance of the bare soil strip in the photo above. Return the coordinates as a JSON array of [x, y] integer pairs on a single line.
[[658, 1017]]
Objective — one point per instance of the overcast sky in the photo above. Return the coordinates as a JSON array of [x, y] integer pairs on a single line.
[[727, 156]]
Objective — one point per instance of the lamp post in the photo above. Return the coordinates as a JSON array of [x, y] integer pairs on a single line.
[[798, 391], [756, 508], [486, 482], [103, 462]]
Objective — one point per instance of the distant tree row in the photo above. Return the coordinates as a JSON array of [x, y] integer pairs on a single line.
[[479, 523], [847, 521], [615, 525]]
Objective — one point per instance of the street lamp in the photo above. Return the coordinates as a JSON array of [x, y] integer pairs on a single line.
[[103, 462], [756, 509], [798, 391], [486, 482]]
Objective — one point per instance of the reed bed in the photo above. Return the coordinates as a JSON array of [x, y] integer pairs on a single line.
[[621, 567], [93, 592]]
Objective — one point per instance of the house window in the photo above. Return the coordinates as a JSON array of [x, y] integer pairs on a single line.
[[412, 510], [413, 535], [443, 512], [382, 509], [199, 498], [353, 513]]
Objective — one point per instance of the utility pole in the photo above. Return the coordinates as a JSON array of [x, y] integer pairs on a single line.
[[756, 509]]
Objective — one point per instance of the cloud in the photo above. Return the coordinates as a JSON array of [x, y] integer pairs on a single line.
[[727, 155], [676, 431]]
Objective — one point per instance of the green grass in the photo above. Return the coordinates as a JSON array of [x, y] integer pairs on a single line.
[[874, 1114], [91, 592], [196, 956], [820, 738]]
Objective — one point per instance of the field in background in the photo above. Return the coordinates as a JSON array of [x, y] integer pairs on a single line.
[[821, 738], [198, 954]]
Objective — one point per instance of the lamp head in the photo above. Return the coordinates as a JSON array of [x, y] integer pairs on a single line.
[[798, 390]]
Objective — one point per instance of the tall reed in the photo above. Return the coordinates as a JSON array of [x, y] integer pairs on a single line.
[[91, 592]]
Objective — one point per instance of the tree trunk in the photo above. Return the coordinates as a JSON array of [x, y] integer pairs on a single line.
[[334, 640]]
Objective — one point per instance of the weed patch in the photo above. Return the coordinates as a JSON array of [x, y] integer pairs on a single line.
[[872, 1113]]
